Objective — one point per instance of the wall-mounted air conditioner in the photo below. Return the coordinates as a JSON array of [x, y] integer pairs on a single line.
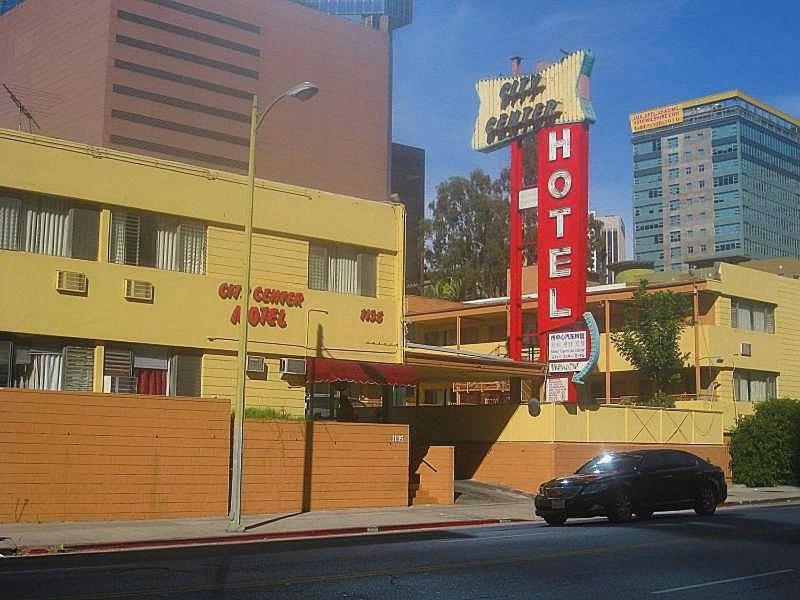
[[293, 366], [746, 349], [72, 282], [139, 291], [256, 364]]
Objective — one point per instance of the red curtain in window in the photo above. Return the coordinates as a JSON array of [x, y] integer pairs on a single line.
[[151, 381]]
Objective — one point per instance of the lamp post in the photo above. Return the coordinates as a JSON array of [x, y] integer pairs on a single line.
[[302, 91]]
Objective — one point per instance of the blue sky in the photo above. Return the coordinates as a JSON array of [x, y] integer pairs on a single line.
[[647, 53]]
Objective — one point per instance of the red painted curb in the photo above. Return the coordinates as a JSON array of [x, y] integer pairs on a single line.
[[254, 537]]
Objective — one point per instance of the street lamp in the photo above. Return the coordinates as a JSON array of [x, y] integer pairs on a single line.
[[301, 91]]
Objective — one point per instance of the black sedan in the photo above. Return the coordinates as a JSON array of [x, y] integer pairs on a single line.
[[641, 482]]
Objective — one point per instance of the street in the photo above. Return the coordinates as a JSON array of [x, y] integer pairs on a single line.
[[745, 552]]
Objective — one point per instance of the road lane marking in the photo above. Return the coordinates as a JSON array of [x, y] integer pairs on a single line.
[[722, 581]]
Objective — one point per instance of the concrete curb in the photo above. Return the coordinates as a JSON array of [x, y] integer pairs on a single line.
[[236, 538], [9, 551], [750, 502]]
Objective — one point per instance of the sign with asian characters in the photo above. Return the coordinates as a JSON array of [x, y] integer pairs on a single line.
[[557, 390], [567, 345], [657, 117], [511, 107]]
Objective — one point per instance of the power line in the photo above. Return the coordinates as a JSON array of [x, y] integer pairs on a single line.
[[22, 111]]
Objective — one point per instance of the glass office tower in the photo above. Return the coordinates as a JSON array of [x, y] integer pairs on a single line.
[[715, 177], [7, 5]]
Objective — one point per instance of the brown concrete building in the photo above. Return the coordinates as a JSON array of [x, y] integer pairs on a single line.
[[175, 79]]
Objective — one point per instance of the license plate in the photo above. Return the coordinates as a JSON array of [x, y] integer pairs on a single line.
[[557, 503]]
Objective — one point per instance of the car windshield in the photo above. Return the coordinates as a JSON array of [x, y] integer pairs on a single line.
[[610, 463]]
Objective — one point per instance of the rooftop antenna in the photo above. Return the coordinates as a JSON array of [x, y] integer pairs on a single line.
[[23, 112]]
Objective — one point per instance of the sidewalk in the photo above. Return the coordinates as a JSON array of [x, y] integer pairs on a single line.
[[89, 536]]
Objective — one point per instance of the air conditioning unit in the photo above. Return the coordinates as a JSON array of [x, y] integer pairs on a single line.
[[139, 291], [119, 384], [746, 349], [72, 282], [256, 364], [293, 366]]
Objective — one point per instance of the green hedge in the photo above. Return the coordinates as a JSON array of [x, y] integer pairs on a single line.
[[765, 447]]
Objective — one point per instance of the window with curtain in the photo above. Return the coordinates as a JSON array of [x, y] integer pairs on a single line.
[[45, 366], [44, 225], [158, 241], [342, 269], [754, 386], [151, 371], [752, 315]]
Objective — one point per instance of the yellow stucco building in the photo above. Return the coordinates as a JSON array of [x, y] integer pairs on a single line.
[[121, 273], [743, 345]]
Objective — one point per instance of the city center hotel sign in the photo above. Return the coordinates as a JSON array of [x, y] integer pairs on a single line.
[[554, 105], [511, 107]]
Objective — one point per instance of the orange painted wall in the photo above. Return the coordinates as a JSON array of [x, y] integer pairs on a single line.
[[433, 474], [289, 467], [78, 456], [526, 465]]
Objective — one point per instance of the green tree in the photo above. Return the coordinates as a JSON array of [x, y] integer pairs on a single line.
[[467, 255], [650, 338]]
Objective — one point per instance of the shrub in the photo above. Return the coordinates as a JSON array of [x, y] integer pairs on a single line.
[[267, 413], [765, 447]]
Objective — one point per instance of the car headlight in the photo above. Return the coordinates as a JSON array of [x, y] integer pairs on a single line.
[[595, 488]]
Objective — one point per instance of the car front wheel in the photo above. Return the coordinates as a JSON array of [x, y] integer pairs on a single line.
[[620, 509], [706, 502], [557, 519]]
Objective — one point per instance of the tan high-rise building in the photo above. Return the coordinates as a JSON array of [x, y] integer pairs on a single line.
[[175, 79]]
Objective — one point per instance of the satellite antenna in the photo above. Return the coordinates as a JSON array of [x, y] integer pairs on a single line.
[[23, 112]]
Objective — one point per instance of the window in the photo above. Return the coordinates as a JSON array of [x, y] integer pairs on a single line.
[[675, 220], [48, 226], [672, 143], [672, 158], [675, 252], [687, 155], [691, 249], [701, 168], [701, 184], [157, 241], [754, 386], [45, 365], [674, 189], [674, 173], [442, 337], [687, 170], [437, 397], [151, 371], [342, 269], [751, 315], [674, 236], [674, 204]]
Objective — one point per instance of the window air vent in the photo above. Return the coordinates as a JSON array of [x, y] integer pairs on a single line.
[[746, 349], [71, 282], [293, 366], [256, 364], [139, 291]]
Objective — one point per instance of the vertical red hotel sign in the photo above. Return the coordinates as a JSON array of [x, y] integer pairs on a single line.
[[554, 105], [563, 170]]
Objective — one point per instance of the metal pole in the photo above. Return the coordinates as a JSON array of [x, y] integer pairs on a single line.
[[241, 358], [696, 317], [607, 324], [515, 243]]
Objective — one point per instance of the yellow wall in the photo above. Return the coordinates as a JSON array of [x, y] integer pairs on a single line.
[[187, 311], [563, 423]]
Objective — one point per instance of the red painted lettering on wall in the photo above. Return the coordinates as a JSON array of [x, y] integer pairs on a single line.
[[262, 315], [229, 290], [371, 315]]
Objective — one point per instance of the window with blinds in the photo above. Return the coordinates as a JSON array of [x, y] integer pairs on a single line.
[[157, 241], [752, 315], [754, 386], [146, 370], [78, 368], [44, 225], [41, 364], [342, 269]]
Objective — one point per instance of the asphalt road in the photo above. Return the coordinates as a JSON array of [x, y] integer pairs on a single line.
[[738, 553]]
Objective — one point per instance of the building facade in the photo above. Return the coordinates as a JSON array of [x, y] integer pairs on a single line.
[[175, 79], [408, 182], [612, 230], [717, 176], [123, 274], [742, 347]]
